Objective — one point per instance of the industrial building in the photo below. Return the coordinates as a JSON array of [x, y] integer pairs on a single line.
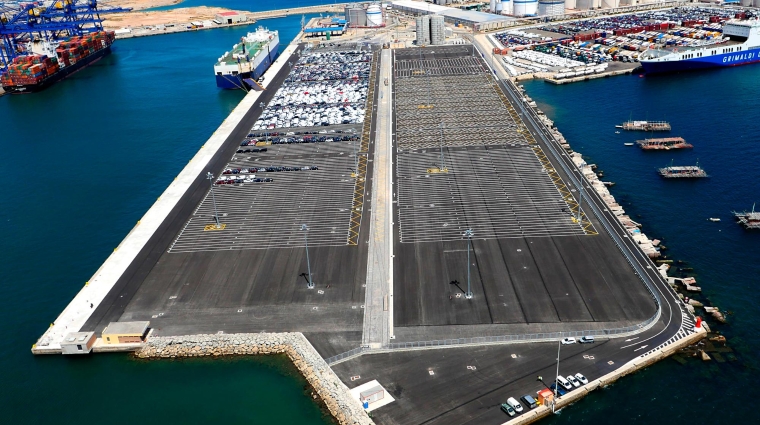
[[78, 343], [477, 20], [125, 332], [361, 15], [231, 17]]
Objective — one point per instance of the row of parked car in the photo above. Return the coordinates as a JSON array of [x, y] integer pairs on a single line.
[[561, 386], [267, 169], [242, 179], [295, 139], [513, 407]]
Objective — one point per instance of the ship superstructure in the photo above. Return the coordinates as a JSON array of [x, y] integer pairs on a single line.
[[248, 59], [739, 45]]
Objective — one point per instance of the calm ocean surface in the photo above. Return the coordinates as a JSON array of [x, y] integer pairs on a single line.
[[86, 158], [718, 111]]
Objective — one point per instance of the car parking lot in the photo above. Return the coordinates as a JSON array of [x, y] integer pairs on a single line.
[[281, 179], [263, 198], [325, 87]]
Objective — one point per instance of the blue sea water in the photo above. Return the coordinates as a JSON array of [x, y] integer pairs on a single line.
[[84, 160], [718, 111]]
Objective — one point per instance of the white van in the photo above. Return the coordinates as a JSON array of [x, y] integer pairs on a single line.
[[515, 404], [564, 382]]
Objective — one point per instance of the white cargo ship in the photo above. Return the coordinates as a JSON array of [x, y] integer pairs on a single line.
[[248, 60]]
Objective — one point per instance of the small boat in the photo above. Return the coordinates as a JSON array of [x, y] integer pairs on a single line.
[[618, 126], [713, 219], [617, 132], [628, 144]]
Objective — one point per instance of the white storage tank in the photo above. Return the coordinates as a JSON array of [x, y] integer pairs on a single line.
[[499, 7], [374, 16], [507, 7], [525, 7], [492, 6], [755, 3], [747, 3], [570, 4], [551, 7], [610, 3]]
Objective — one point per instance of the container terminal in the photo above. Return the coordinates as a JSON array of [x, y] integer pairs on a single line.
[[412, 248], [43, 45], [665, 143], [673, 39]]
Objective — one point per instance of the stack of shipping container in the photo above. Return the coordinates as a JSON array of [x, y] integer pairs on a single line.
[[32, 69]]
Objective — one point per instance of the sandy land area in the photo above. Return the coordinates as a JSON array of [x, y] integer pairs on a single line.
[[174, 16], [140, 4]]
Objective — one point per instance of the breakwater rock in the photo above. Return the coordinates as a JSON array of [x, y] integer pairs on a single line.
[[300, 351]]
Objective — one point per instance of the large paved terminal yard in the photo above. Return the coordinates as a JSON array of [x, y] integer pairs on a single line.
[[360, 170], [534, 266]]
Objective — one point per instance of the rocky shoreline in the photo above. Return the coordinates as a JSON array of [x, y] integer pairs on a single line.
[[322, 379]]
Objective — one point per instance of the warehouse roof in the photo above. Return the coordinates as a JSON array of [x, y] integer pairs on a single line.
[[126, 328]]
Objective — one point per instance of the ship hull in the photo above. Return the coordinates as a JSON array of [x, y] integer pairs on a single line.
[[60, 75], [706, 62]]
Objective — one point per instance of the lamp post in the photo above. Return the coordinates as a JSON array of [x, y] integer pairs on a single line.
[[442, 166], [211, 179], [305, 228], [556, 381], [468, 233], [580, 201]]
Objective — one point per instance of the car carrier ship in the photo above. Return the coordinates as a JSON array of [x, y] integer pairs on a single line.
[[740, 45], [51, 61], [248, 60]]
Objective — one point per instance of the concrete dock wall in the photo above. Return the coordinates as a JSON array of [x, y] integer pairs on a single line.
[[323, 380], [632, 366]]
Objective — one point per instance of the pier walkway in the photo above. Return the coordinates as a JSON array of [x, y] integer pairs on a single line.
[[378, 309]]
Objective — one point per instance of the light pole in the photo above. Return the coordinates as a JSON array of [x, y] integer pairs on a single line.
[[211, 179], [468, 233], [356, 154], [556, 381], [580, 195], [441, 167], [305, 228], [266, 130]]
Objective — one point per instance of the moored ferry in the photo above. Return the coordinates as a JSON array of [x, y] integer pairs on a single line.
[[740, 45], [248, 60]]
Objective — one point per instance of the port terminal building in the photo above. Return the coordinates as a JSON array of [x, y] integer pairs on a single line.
[[479, 21]]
